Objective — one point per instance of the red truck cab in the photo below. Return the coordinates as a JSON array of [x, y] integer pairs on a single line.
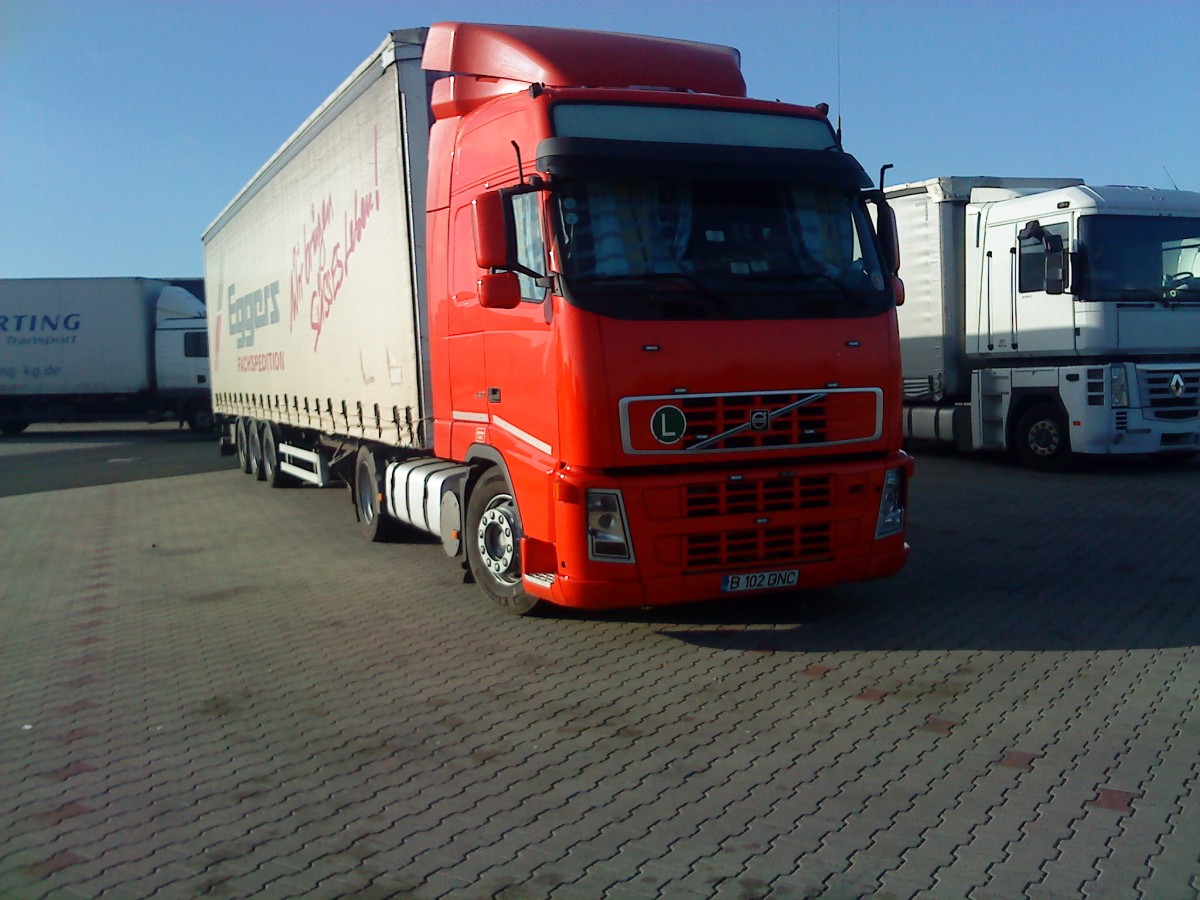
[[661, 325]]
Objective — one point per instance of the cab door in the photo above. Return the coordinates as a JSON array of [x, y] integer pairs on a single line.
[[1041, 312], [521, 349]]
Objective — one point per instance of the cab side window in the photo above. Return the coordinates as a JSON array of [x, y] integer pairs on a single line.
[[1031, 275], [531, 245], [195, 344]]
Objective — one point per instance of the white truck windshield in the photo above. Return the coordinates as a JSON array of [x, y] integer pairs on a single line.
[[1127, 258]]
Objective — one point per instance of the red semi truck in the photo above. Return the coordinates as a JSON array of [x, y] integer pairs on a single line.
[[617, 334]]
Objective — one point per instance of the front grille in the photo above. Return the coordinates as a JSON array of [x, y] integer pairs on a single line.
[[1161, 399], [776, 544], [712, 416], [756, 496], [767, 420]]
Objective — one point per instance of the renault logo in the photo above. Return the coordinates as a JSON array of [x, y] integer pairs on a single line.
[[1177, 386]]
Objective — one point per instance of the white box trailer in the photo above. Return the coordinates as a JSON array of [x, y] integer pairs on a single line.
[[80, 349], [350, 186], [1050, 318]]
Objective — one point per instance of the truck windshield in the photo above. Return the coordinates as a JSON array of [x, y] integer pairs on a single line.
[[691, 248], [1130, 258]]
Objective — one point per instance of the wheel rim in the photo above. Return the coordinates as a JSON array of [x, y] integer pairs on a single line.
[[366, 495], [496, 538], [268, 453], [1044, 438]]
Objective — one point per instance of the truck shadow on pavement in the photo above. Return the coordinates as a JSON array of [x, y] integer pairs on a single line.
[[1002, 559], [855, 619]]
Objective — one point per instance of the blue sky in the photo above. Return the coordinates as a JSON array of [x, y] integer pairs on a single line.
[[125, 127]]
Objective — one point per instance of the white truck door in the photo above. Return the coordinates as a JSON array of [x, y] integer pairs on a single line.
[[1043, 313], [181, 357], [1018, 314]]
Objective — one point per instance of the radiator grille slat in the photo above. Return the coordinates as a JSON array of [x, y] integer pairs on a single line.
[[756, 496], [771, 545]]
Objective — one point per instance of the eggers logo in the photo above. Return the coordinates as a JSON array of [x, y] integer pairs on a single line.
[[252, 311]]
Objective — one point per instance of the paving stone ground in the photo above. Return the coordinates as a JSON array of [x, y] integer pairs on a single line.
[[209, 688]]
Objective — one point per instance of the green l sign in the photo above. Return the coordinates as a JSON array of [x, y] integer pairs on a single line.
[[668, 424]]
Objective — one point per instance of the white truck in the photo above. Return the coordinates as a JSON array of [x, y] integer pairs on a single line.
[[103, 349], [1050, 318]]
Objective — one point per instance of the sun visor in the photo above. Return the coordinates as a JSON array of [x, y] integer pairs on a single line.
[[597, 156]]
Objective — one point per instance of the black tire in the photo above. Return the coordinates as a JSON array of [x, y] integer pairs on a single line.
[[241, 436], [493, 536], [200, 418], [270, 458], [254, 448], [14, 426], [374, 522], [1043, 440]]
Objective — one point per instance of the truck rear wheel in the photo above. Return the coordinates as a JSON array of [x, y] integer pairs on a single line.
[[1042, 439], [493, 536], [376, 525]]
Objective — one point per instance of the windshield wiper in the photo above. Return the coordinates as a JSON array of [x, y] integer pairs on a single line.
[[650, 278], [801, 277]]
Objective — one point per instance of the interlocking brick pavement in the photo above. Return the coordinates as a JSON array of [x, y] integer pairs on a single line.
[[209, 688]]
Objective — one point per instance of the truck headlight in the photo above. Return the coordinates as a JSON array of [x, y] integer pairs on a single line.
[[1120, 387], [608, 535], [891, 505]]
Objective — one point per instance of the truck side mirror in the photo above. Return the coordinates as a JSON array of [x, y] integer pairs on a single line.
[[889, 238], [490, 221], [1056, 263], [501, 291], [1056, 271]]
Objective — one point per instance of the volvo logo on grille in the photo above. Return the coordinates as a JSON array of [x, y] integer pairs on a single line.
[[1177, 386], [760, 419]]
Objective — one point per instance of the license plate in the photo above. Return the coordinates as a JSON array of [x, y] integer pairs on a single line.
[[761, 581]]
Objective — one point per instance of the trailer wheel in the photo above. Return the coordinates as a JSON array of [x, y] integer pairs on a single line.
[[376, 525], [493, 536], [241, 439], [270, 458], [1042, 438], [254, 448]]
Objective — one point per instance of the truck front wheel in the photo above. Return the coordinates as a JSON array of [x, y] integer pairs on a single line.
[[493, 537], [200, 418], [1042, 439]]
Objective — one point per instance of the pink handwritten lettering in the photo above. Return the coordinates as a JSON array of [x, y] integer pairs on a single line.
[[320, 270]]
